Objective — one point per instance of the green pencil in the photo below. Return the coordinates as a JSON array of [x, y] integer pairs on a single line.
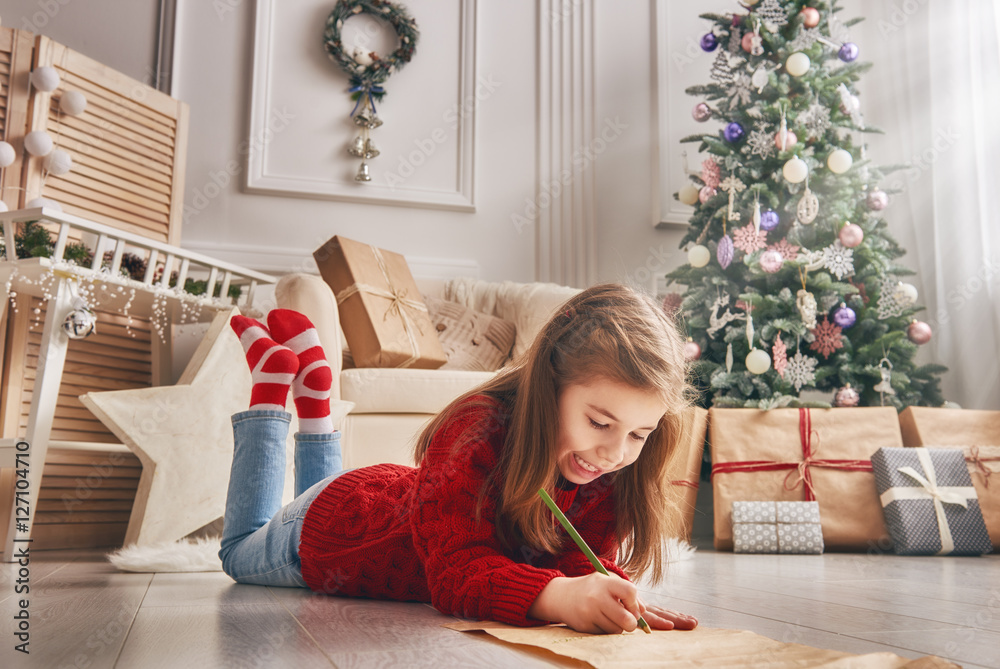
[[582, 544]]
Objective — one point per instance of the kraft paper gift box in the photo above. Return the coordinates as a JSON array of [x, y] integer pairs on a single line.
[[684, 471], [930, 505], [777, 527], [382, 314], [821, 455], [977, 433]]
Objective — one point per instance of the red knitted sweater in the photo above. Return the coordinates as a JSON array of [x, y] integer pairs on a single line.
[[410, 534]]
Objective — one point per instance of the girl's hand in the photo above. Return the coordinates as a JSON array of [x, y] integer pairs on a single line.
[[665, 619], [595, 603]]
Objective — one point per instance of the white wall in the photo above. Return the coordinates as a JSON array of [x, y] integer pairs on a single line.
[[121, 35], [278, 233]]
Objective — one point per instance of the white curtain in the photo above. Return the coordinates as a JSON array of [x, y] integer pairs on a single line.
[[935, 90]]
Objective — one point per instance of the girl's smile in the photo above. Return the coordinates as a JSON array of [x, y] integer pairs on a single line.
[[602, 427]]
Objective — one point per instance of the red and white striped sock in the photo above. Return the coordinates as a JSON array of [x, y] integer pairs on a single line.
[[272, 366], [311, 388]]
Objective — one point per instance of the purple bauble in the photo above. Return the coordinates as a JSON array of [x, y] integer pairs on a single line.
[[733, 132], [709, 41], [724, 251], [877, 200], [701, 112], [769, 219], [844, 316], [848, 52]]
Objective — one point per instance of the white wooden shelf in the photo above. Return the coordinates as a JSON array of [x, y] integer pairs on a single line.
[[61, 282]]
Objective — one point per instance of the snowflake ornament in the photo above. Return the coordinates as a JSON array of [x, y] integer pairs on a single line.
[[787, 250], [804, 40], [815, 120], [760, 143], [740, 90], [839, 259], [801, 371], [710, 173], [828, 338], [748, 240], [779, 355]]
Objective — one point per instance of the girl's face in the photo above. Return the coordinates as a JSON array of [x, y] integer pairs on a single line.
[[602, 427]]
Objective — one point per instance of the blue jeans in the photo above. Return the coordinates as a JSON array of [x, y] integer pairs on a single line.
[[260, 539]]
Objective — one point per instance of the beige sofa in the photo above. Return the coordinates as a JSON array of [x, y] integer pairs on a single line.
[[392, 405]]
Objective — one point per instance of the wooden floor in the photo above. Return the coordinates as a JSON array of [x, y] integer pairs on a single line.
[[84, 613]]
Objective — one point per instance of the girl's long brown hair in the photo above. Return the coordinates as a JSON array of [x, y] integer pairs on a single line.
[[607, 331]]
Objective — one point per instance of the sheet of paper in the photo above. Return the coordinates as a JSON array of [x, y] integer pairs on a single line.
[[699, 647]]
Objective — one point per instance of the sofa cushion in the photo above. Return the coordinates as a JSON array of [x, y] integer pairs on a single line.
[[471, 339], [389, 390], [528, 305]]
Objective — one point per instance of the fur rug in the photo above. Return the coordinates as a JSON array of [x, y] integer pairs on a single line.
[[169, 556], [203, 555]]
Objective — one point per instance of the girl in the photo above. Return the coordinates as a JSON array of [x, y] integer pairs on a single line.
[[590, 413]]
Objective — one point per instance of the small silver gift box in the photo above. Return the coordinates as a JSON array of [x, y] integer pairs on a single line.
[[777, 527]]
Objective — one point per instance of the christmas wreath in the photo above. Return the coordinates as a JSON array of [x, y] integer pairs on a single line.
[[368, 69]]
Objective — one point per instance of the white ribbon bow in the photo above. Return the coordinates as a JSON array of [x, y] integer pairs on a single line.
[[930, 489]]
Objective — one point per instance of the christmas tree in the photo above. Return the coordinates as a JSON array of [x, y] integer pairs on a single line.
[[792, 283]]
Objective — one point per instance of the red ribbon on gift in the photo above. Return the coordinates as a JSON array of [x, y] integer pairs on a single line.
[[977, 462], [809, 459]]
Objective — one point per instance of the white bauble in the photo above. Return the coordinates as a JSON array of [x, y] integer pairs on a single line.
[[906, 293], [58, 162], [38, 143], [688, 193], [795, 170], [43, 202], [73, 103], [797, 64], [699, 255], [758, 361], [45, 78], [7, 154], [839, 161]]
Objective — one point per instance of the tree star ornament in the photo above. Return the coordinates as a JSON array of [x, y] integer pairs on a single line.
[[367, 70]]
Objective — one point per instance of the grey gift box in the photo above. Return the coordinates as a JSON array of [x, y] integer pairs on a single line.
[[777, 527], [930, 504]]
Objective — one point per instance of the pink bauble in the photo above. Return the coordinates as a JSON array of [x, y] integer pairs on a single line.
[[771, 261], [691, 350], [701, 112], [790, 139], [851, 235], [747, 42], [706, 193], [919, 332], [846, 397], [877, 200], [810, 17]]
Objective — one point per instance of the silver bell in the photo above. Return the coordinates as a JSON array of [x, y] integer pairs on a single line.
[[363, 120], [362, 174], [370, 150], [357, 147], [374, 122], [80, 323]]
